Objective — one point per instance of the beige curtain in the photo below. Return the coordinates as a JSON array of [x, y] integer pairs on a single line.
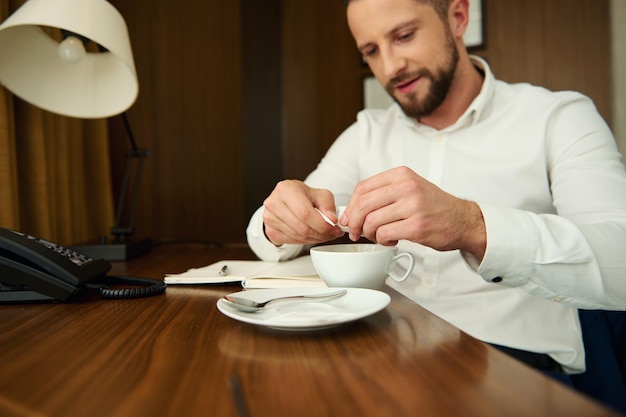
[[55, 176]]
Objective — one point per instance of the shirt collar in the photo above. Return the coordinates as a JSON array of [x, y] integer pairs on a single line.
[[482, 100]]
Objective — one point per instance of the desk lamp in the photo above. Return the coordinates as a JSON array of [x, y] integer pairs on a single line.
[[63, 78]]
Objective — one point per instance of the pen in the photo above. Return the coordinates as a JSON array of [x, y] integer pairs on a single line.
[[224, 271]]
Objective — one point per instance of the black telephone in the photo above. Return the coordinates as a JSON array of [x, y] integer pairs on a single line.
[[35, 270]]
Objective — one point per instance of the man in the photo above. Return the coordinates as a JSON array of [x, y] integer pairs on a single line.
[[512, 198]]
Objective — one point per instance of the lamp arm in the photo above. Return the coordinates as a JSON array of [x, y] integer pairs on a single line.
[[129, 133], [122, 232]]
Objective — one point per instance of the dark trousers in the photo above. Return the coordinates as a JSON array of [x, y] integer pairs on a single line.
[[604, 337]]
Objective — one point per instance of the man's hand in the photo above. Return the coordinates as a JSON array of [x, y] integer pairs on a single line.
[[290, 215], [399, 204]]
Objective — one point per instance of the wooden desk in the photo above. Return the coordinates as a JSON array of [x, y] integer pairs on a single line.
[[175, 355]]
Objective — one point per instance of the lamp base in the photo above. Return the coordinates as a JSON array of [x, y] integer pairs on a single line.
[[115, 251]]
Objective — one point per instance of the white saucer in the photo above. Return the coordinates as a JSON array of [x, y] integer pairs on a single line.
[[300, 315]]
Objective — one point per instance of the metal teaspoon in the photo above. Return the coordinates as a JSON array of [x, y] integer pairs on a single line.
[[251, 306]]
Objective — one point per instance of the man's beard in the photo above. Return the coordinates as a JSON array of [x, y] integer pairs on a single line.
[[439, 86]]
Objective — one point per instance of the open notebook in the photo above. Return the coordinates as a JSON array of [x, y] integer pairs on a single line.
[[298, 272]]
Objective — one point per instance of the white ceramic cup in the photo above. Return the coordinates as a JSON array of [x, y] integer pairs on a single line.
[[361, 265]]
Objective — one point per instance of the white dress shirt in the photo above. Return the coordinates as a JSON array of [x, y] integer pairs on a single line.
[[546, 173]]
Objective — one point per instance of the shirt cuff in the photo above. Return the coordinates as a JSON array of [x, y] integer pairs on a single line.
[[509, 257], [261, 245]]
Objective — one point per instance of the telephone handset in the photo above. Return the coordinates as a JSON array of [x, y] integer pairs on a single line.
[[33, 269]]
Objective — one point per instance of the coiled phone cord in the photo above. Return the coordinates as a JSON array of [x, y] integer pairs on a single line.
[[148, 287]]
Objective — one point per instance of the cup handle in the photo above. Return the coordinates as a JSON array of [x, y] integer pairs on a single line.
[[395, 259]]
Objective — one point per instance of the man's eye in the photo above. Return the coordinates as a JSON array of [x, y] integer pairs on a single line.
[[406, 36], [369, 52]]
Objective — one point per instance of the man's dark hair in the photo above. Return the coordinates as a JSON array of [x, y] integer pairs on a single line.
[[440, 6]]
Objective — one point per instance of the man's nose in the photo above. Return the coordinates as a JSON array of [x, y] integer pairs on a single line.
[[393, 64]]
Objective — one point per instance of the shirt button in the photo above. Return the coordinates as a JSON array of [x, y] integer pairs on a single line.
[[557, 299], [496, 279]]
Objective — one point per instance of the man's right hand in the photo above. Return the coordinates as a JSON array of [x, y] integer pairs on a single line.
[[290, 215]]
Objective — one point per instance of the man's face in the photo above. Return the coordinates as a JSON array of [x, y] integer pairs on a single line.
[[408, 48]]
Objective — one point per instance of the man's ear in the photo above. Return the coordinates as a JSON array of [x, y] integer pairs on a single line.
[[458, 17]]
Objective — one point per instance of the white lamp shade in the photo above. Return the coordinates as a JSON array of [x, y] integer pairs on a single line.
[[99, 85]]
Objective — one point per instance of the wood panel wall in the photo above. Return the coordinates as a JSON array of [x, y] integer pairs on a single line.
[[237, 94], [323, 75], [558, 44], [189, 115]]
